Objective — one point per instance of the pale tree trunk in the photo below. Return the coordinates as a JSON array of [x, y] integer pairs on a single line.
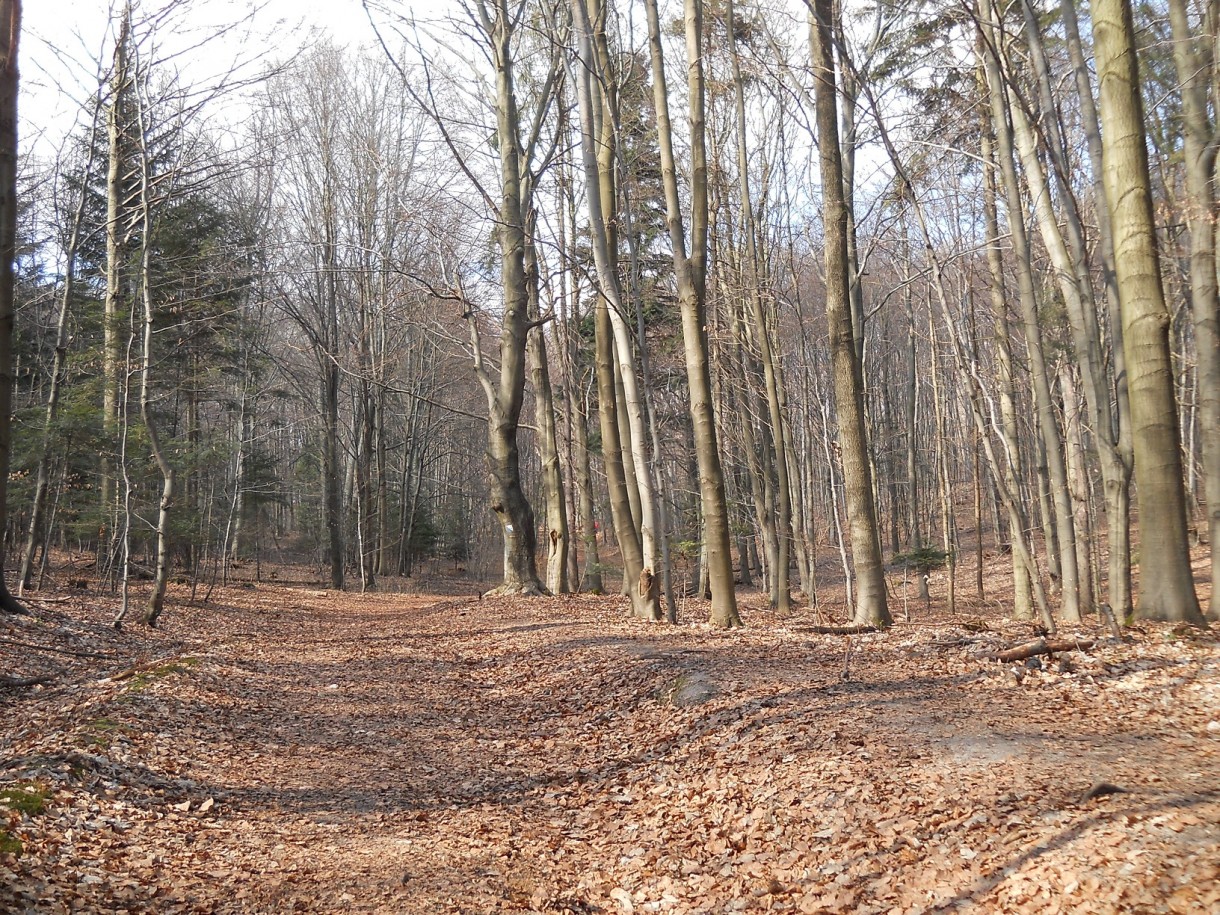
[[597, 157], [691, 282], [116, 238], [1166, 589], [625, 531], [867, 564], [35, 534], [1006, 378], [781, 561], [1048, 426], [1118, 491], [914, 506], [505, 396], [1069, 255], [1196, 68], [156, 599], [590, 578], [10, 31], [591, 573], [548, 444], [944, 487], [1078, 481]]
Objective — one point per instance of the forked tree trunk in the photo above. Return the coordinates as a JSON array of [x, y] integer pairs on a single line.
[[598, 159], [1166, 589], [505, 396]]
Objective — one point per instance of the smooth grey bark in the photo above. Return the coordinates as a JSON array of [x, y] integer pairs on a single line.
[[1166, 589], [1063, 235], [1048, 427], [156, 598], [781, 559], [505, 396], [1117, 490], [871, 599], [1009, 429], [598, 159], [690, 271], [1195, 62], [35, 533], [548, 446], [117, 168], [10, 31]]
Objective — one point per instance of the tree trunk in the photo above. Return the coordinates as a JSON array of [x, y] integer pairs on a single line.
[[1048, 427], [548, 453], [1006, 472], [116, 237], [10, 30], [1118, 492], [35, 533], [1068, 253], [867, 564], [1166, 589], [506, 396], [690, 276], [1196, 68], [780, 590], [156, 599]]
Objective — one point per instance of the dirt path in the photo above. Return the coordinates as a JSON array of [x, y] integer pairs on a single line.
[[304, 751]]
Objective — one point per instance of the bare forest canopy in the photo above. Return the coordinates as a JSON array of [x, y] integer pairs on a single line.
[[675, 298]]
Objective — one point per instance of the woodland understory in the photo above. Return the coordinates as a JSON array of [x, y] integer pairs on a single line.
[[286, 748], [873, 348]]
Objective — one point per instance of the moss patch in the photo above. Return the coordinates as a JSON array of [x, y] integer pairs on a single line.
[[101, 731], [146, 677], [31, 801], [10, 844]]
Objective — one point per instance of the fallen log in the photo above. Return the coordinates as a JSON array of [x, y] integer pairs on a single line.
[[22, 682], [1041, 646], [838, 630]]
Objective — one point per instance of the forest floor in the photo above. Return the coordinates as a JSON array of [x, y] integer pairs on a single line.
[[288, 749]]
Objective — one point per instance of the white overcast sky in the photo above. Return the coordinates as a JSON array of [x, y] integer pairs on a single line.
[[63, 39]]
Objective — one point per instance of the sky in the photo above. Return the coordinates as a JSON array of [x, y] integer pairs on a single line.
[[62, 41]]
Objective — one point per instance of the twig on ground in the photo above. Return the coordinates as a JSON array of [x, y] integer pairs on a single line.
[[68, 651]]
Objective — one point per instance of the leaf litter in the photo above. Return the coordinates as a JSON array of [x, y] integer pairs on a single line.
[[290, 750]]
